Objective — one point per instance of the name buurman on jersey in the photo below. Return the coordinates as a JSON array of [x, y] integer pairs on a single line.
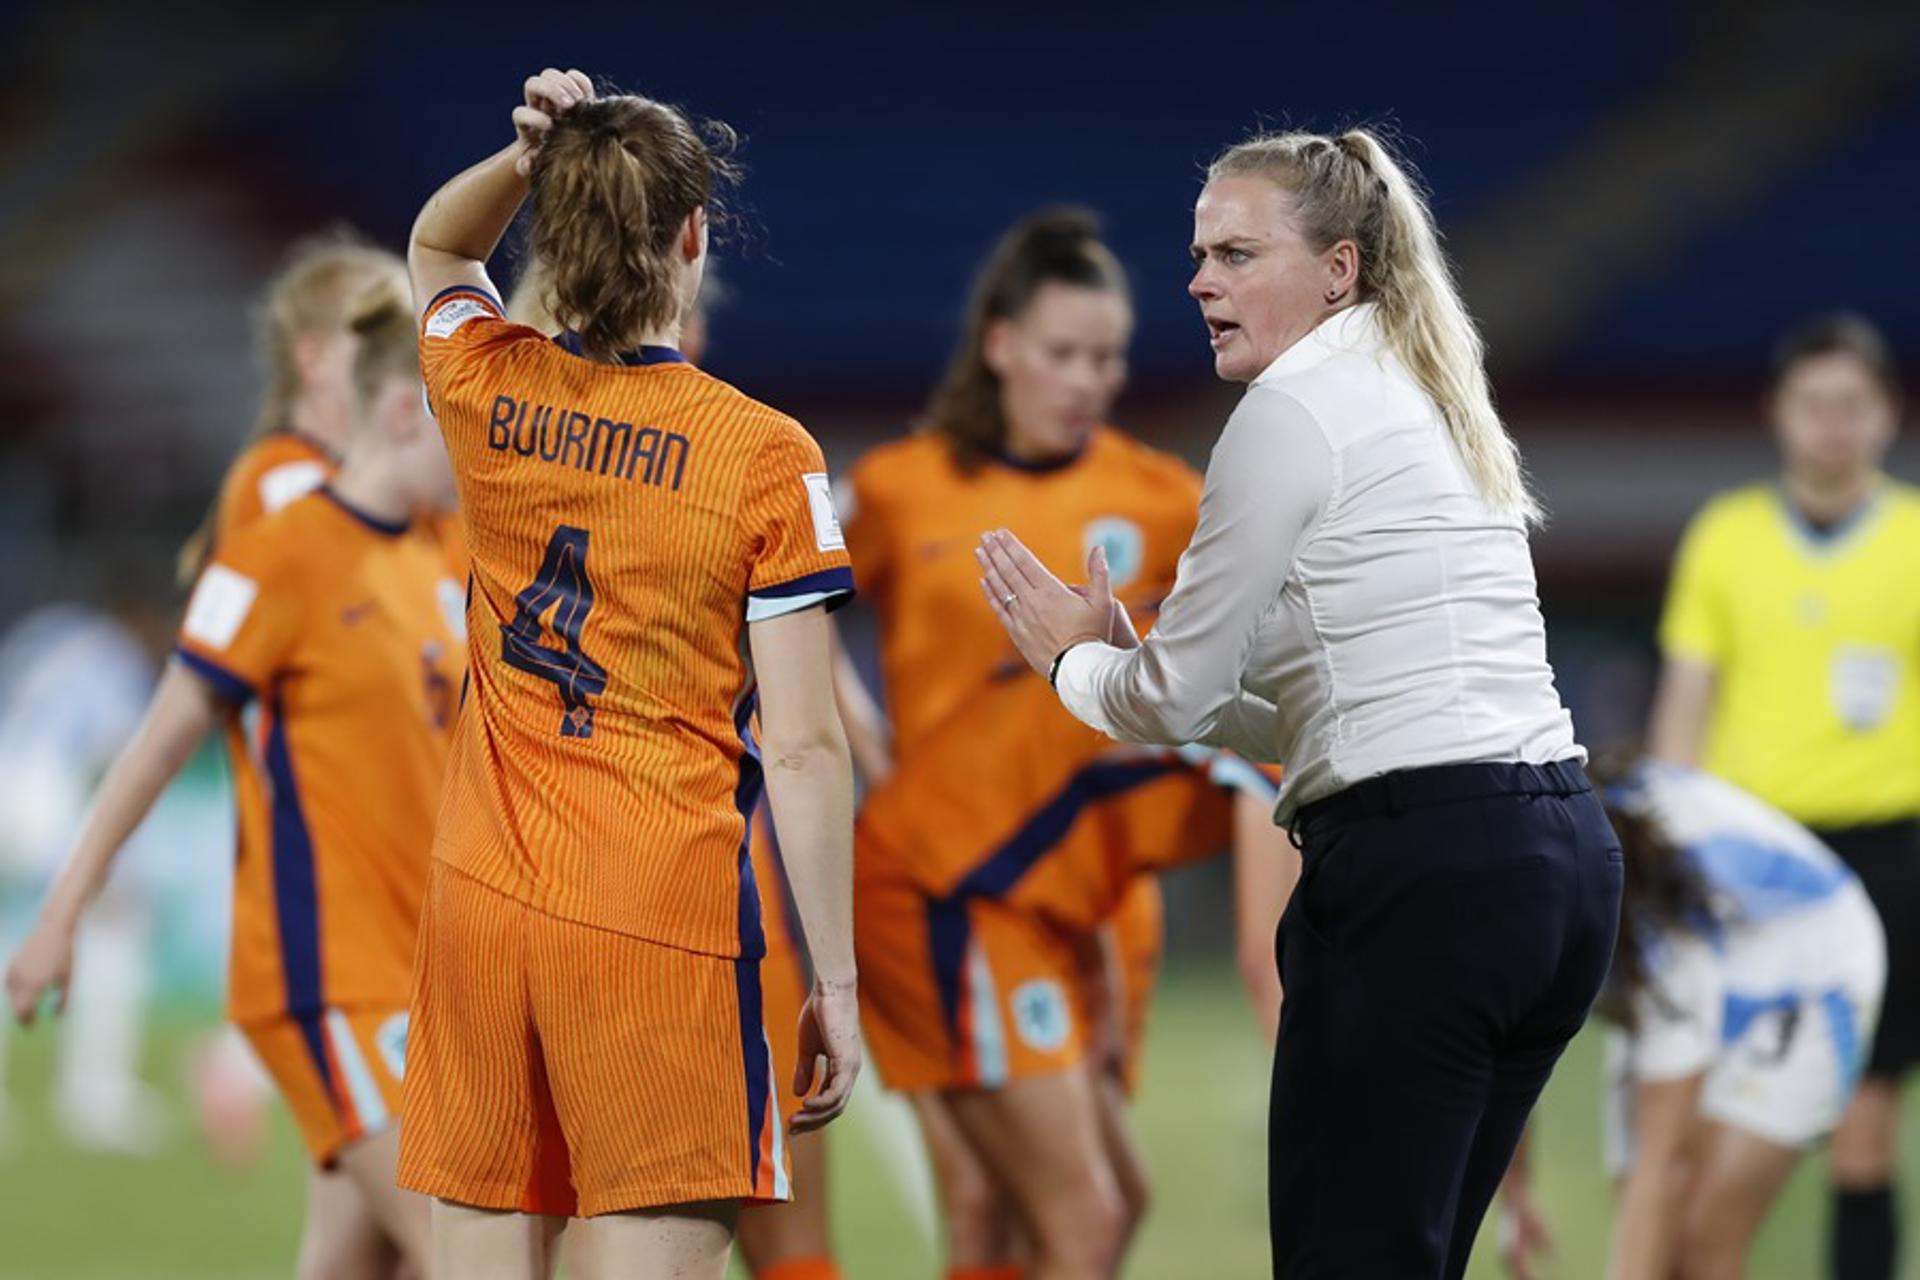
[[586, 443]]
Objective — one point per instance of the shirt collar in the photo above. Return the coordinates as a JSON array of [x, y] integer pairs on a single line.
[[388, 528], [1352, 329], [569, 341]]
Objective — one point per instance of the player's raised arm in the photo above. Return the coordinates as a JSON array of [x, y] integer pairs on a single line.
[[183, 709], [809, 773], [461, 223]]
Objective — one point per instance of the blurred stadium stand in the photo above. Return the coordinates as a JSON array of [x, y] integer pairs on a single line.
[[1641, 197]]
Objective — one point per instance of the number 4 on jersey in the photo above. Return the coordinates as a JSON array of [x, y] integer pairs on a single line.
[[564, 588]]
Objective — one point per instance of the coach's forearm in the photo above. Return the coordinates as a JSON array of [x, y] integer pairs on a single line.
[[810, 786], [466, 217]]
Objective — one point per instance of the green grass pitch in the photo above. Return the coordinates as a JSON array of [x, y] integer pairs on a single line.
[[65, 1216]]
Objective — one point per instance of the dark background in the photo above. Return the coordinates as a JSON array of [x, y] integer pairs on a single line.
[[1640, 198]]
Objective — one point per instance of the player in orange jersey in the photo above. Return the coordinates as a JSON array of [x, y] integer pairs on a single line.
[[650, 550], [306, 415], [336, 626], [778, 1241], [1026, 1118]]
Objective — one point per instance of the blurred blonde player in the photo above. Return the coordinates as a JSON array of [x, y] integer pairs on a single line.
[[1024, 1129], [652, 552], [334, 624], [790, 1241], [300, 431], [306, 416]]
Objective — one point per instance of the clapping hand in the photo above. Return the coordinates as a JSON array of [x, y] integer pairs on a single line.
[[1043, 615]]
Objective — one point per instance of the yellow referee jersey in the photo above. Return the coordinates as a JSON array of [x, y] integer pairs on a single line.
[[1816, 641]]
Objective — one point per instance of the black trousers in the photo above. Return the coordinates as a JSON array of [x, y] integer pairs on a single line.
[[1450, 930]]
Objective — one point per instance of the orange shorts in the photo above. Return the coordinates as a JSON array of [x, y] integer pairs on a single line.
[[783, 970], [1137, 933], [557, 1068], [338, 1069], [962, 993]]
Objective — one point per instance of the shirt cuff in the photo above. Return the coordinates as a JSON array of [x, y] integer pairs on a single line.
[[1078, 682], [831, 587]]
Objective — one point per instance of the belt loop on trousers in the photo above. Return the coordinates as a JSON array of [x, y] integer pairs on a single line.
[[1390, 795]]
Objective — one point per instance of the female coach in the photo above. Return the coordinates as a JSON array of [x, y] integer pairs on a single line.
[[1358, 600]]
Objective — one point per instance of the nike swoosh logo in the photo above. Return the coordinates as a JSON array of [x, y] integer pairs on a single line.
[[357, 613]]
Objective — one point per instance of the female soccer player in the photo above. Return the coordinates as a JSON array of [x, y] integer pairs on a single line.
[[1359, 601], [1030, 1140], [306, 416], [649, 550], [336, 625], [1745, 983], [1792, 669], [778, 1241]]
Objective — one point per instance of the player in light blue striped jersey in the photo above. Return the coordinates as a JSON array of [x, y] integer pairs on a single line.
[[1745, 990]]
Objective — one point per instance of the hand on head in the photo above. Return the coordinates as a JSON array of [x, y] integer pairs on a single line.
[[550, 94]]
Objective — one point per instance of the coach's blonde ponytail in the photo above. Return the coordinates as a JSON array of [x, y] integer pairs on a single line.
[[1352, 188]]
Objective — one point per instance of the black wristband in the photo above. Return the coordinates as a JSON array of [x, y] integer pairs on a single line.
[[1053, 672]]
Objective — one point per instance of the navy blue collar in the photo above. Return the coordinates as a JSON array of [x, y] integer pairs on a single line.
[[1040, 466], [388, 528], [569, 341]]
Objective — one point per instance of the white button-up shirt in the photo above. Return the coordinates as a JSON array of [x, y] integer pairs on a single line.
[[1350, 605]]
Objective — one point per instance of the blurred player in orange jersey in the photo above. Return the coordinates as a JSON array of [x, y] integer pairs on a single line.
[[651, 554], [336, 626], [306, 415], [978, 1003], [790, 1241]]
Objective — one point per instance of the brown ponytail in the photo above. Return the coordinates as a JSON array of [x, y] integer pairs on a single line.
[[1663, 892], [310, 295], [1059, 245], [612, 186]]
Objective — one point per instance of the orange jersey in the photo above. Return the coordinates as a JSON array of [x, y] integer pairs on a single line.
[[451, 532], [272, 472], [343, 637], [1074, 816], [914, 517], [626, 522]]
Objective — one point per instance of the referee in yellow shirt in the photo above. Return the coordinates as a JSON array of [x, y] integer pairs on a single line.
[[1792, 668]]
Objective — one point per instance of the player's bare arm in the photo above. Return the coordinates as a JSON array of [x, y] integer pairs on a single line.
[[183, 710], [809, 772]]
